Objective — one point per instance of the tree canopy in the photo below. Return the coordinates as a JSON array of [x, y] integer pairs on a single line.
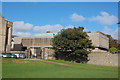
[[72, 44]]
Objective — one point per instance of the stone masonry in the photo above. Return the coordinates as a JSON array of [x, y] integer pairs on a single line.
[[5, 34], [103, 58]]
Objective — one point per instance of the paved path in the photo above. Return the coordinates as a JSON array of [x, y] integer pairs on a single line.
[[63, 64]]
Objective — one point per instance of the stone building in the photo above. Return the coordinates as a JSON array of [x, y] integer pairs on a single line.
[[41, 44], [5, 34], [36, 46], [99, 41]]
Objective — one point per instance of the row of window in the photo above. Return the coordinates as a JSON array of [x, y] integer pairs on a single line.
[[36, 40]]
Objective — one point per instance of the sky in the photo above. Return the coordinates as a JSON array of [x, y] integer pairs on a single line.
[[60, 0], [31, 18]]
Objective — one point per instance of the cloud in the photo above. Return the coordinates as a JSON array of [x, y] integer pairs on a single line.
[[86, 30], [22, 29], [77, 18], [105, 18], [23, 34], [21, 26], [69, 26], [107, 30], [52, 28], [114, 33]]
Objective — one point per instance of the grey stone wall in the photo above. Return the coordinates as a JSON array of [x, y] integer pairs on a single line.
[[103, 58]]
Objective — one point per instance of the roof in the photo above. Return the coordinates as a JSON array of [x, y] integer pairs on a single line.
[[97, 33], [45, 35]]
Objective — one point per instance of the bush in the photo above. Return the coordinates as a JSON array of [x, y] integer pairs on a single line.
[[113, 50], [50, 55]]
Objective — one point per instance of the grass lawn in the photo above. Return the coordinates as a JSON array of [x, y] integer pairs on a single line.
[[19, 68]]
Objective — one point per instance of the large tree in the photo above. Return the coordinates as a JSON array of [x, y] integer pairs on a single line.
[[72, 44]]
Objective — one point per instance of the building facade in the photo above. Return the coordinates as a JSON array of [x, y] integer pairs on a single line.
[[42, 44], [5, 34], [99, 41], [39, 46]]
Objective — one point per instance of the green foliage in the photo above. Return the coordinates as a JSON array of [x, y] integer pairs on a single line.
[[50, 55], [72, 44], [113, 50], [80, 55]]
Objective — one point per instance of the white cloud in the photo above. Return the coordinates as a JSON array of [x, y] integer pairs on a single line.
[[69, 26], [107, 30], [86, 30], [52, 28], [77, 18], [114, 33], [22, 34], [105, 18], [21, 26], [24, 29]]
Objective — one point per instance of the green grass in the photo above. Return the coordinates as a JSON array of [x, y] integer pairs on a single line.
[[19, 68]]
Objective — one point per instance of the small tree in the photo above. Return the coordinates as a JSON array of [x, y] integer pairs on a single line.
[[72, 44]]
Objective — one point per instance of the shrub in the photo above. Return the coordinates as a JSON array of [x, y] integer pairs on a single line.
[[113, 50]]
